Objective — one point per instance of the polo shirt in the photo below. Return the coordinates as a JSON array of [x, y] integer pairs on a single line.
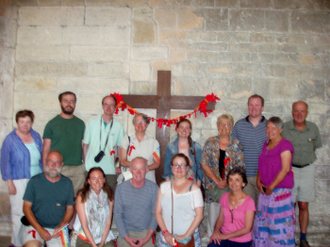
[[147, 148], [92, 138], [252, 139], [304, 142]]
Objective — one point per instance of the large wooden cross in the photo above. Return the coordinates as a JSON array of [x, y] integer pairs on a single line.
[[163, 102]]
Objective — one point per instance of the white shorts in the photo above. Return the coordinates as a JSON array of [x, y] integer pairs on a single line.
[[32, 234]]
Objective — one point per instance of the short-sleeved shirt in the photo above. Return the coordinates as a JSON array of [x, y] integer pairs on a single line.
[[49, 200], [304, 142], [238, 215], [147, 148], [252, 139], [94, 128], [184, 208], [66, 137], [270, 164]]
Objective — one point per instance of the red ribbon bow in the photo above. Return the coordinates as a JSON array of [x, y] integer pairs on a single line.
[[33, 233], [113, 152], [130, 150]]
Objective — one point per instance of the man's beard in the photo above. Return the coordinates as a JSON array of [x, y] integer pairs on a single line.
[[53, 175], [67, 112]]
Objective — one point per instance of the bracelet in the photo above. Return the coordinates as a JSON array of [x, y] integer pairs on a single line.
[[164, 232]]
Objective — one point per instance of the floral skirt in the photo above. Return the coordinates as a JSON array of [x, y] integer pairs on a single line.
[[275, 220]]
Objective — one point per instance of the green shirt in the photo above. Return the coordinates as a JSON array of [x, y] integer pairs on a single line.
[[66, 136], [304, 142]]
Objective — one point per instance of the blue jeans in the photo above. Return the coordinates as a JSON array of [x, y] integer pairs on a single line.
[[228, 243]]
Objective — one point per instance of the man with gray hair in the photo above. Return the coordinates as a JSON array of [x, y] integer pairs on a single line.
[[134, 210], [305, 138], [48, 203]]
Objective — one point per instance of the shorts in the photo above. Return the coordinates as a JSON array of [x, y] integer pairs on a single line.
[[304, 186], [32, 234]]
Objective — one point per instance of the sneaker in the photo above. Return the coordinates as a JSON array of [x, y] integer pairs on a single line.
[[304, 243]]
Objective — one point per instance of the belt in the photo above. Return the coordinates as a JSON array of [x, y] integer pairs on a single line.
[[300, 166]]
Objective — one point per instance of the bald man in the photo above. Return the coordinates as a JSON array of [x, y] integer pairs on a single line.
[[305, 138]]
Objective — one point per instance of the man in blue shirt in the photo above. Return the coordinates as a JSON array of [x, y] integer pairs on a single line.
[[251, 131]]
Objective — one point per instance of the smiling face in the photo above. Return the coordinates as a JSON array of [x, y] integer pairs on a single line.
[[224, 127], [96, 181], [235, 182], [140, 124], [184, 129], [255, 107], [138, 169], [109, 106], [24, 124], [299, 112], [179, 167], [54, 164], [272, 131]]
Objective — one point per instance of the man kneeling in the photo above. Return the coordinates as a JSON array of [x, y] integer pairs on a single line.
[[48, 203]]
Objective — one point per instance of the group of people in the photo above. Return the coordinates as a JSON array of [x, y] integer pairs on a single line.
[[253, 173]]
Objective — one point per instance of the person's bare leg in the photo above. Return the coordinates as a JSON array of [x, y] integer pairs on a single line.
[[33, 243], [303, 216]]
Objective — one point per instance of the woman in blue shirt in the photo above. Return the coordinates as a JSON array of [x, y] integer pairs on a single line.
[[184, 144], [20, 160]]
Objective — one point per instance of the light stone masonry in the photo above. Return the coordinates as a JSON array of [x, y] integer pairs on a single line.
[[279, 49]]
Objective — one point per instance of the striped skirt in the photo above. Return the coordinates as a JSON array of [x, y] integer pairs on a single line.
[[275, 221]]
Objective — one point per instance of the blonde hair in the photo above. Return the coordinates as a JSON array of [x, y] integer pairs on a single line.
[[227, 117]]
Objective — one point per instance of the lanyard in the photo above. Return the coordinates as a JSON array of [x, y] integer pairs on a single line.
[[106, 142]]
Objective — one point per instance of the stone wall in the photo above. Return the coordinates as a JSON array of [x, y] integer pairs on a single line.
[[233, 48]]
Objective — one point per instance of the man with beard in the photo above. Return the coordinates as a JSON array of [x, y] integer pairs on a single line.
[[65, 133], [48, 203]]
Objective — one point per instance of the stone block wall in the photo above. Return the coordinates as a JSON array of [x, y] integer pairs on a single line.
[[233, 48]]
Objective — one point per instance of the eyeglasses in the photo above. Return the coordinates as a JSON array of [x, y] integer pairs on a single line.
[[69, 101], [139, 121], [176, 166], [57, 162], [232, 215], [225, 125]]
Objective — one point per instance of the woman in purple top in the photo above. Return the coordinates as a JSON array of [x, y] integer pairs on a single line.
[[275, 218]]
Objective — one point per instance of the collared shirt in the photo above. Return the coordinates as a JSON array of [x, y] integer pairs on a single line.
[[304, 142], [147, 148], [92, 138], [15, 157], [252, 139], [173, 149]]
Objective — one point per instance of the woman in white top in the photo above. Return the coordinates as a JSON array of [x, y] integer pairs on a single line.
[[94, 206], [187, 206], [140, 145]]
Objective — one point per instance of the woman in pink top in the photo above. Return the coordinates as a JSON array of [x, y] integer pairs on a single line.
[[233, 227]]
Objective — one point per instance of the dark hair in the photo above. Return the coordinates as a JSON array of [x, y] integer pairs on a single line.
[[25, 113], [66, 93], [114, 98], [240, 171], [257, 96], [187, 121], [84, 192], [181, 155]]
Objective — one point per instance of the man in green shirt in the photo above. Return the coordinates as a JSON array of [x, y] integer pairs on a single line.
[[305, 138], [65, 133]]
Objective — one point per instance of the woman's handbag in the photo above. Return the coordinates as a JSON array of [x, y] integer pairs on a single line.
[[191, 243]]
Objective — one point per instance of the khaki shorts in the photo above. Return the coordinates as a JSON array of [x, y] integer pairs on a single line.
[[122, 242], [304, 186], [252, 190], [77, 174], [31, 235]]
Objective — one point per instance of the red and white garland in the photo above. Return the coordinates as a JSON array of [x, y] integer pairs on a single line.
[[168, 122]]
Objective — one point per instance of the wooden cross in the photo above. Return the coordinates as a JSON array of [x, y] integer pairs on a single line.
[[163, 102]]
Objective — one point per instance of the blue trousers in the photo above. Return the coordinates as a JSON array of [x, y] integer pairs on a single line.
[[228, 243]]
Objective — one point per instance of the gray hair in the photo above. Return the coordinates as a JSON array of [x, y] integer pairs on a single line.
[[277, 121], [144, 116]]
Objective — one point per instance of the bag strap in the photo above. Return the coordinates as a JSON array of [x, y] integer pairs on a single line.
[[172, 209], [129, 145]]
